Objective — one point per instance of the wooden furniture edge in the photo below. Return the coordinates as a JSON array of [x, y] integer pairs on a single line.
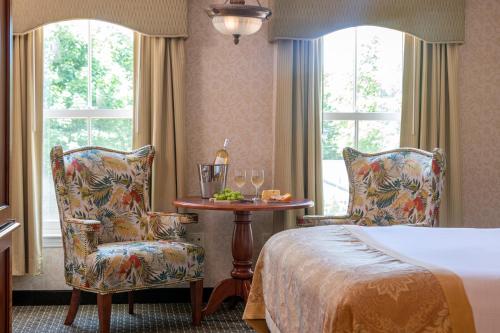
[[9, 229]]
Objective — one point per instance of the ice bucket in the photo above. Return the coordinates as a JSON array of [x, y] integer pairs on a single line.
[[212, 178]]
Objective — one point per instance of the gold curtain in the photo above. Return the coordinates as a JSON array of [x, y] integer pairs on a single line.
[[430, 116], [298, 155], [26, 156], [159, 83]]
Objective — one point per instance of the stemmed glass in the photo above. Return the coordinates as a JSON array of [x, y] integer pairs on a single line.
[[257, 181], [240, 178]]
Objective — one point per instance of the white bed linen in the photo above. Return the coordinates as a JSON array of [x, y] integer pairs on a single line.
[[472, 254]]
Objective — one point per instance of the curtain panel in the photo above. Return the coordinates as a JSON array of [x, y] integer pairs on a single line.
[[159, 103], [430, 115], [432, 20], [298, 157], [26, 155], [167, 18]]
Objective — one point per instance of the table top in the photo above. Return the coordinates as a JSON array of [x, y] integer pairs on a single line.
[[206, 204]]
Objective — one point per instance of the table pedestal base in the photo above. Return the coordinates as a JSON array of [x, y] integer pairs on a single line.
[[241, 276], [227, 288]]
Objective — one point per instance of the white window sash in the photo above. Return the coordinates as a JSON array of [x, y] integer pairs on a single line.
[[88, 113], [360, 116]]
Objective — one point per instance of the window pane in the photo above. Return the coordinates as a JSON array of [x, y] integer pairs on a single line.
[[376, 136], [336, 136], [338, 79], [71, 134], [72, 86], [335, 187], [66, 65], [379, 70], [362, 73], [112, 66], [112, 133]]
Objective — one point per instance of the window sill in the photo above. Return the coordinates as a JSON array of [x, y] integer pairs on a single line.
[[52, 241]]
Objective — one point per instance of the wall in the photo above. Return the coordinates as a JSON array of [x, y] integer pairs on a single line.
[[230, 95], [480, 114]]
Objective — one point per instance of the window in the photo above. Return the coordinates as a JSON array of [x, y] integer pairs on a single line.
[[87, 95], [362, 92]]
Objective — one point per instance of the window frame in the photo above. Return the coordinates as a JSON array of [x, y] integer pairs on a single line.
[[357, 115], [361, 116], [51, 232]]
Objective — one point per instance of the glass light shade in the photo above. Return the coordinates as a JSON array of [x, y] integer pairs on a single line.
[[236, 25]]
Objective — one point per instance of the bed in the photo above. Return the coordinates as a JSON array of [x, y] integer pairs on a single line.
[[377, 279]]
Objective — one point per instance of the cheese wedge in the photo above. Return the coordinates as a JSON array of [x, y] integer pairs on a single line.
[[283, 198], [267, 194]]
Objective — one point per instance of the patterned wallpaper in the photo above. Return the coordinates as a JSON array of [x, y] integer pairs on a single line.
[[480, 113]]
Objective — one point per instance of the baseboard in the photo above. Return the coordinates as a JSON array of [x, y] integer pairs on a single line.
[[62, 297]]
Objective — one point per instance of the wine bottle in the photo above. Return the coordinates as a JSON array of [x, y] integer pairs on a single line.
[[222, 156]]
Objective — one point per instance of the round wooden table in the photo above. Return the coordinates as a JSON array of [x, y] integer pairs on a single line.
[[242, 244]]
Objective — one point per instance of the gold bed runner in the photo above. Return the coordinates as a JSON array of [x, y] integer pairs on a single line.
[[337, 279]]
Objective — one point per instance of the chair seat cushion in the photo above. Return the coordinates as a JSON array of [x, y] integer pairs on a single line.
[[126, 266]]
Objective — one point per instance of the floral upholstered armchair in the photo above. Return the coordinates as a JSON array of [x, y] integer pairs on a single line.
[[402, 186], [112, 241]]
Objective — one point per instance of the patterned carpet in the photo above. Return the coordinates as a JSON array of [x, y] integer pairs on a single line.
[[154, 318]]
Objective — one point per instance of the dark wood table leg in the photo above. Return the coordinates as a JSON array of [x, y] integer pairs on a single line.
[[241, 275]]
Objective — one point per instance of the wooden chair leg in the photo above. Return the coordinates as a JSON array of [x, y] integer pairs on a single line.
[[131, 302], [104, 310], [73, 307], [196, 300]]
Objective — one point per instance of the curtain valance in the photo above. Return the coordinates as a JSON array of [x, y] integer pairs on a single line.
[[166, 18], [431, 20]]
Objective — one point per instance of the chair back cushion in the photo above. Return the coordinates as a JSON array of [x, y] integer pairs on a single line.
[[402, 186], [112, 187]]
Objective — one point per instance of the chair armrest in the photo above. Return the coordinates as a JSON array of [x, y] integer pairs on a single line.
[[422, 225], [82, 234], [169, 226], [317, 220]]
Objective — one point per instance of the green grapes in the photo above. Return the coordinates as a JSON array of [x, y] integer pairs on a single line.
[[228, 194]]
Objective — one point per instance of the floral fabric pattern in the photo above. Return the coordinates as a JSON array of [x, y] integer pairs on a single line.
[[80, 239], [397, 187], [112, 188], [132, 265], [103, 200], [168, 226]]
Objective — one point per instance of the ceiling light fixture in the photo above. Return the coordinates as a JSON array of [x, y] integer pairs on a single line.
[[237, 18]]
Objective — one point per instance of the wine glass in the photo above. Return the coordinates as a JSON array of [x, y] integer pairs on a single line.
[[257, 181], [240, 178]]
